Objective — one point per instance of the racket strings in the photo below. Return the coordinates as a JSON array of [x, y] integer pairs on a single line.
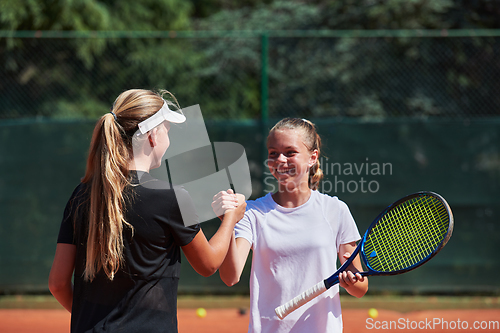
[[413, 244], [407, 234], [395, 234], [392, 232]]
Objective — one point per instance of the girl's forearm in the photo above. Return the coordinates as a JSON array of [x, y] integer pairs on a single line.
[[219, 244], [235, 261], [64, 295], [228, 271]]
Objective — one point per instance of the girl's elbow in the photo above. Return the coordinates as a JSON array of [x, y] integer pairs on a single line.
[[52, 288], [230, 281], [56, 286], [204, 266], [207, 270]]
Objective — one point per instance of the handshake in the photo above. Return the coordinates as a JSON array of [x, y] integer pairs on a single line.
[[228, 201]]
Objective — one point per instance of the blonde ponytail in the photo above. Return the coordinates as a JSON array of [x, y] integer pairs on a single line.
[[315, 176], [107, 175]]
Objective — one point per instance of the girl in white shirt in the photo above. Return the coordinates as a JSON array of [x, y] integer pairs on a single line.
[[295, 235]]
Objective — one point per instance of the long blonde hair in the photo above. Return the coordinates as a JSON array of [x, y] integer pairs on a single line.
[[312, 140], [107, 176]]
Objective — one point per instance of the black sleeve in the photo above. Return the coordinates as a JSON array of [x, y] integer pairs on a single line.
[[66, 231], [184, 225]]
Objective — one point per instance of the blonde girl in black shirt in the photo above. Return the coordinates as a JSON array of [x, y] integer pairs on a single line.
[[122, 230]]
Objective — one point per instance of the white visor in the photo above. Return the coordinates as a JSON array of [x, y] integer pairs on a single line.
[[163, 114]]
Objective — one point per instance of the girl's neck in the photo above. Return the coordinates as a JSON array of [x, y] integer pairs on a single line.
[[292, 198], [139, 165]]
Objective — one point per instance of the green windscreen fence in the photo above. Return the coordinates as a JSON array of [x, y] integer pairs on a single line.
[[367, 165]]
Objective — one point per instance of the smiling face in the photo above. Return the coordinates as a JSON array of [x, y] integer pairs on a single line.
[[289, 159]]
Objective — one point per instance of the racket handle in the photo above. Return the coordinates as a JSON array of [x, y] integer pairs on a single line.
[[284, 310]]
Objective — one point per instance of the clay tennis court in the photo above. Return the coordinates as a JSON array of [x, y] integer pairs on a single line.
[[437, 318]]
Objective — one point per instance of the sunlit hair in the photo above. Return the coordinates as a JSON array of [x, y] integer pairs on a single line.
[[311, 139], [107, 176]]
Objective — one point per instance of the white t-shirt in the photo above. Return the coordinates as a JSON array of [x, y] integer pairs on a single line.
[[293, 250]]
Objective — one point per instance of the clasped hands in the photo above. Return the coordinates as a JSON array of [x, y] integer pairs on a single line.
[[226, 201]]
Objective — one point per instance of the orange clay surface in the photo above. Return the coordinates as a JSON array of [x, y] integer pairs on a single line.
[[231, 321]]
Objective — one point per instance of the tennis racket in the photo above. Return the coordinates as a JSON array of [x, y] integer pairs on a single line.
[[404, 236]]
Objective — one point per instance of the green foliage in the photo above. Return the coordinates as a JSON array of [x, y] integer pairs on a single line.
[[353, 77], [53, 15], [234, 65], [207, 8], [21, 14], [76, 77], [369, 78]]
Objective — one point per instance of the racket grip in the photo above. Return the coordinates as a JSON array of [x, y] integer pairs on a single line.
[[284, 310]]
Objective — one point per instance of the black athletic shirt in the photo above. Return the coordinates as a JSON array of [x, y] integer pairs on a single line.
[[143, 295]]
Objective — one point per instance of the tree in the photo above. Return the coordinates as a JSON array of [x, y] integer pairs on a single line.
[[78, 76]]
